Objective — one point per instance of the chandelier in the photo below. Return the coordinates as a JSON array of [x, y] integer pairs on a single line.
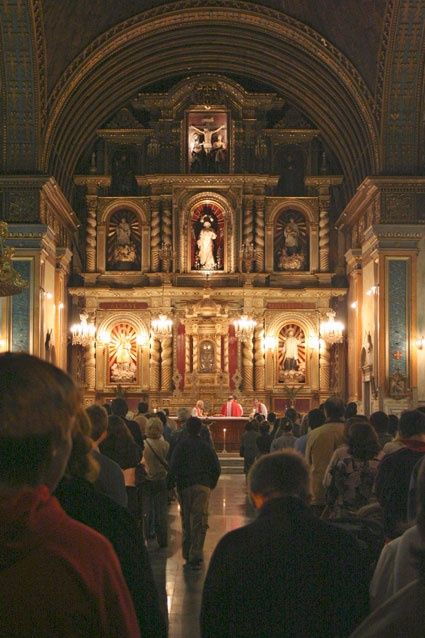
[[83, 333], [331, 331], [244, 328], [162, 327], [270, 343], [11, 282]]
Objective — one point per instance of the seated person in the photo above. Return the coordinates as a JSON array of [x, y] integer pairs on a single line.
[[57, 576]]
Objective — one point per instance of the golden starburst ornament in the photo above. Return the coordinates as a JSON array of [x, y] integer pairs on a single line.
[[11, 282]]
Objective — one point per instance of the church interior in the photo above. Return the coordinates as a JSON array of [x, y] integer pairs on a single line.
[[179, 206], [206, 200]]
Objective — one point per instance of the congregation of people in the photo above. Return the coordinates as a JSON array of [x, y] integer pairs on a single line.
[[336, 548]]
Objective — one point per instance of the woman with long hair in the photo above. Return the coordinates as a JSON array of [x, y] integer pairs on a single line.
[[350, 476], [155, 493]]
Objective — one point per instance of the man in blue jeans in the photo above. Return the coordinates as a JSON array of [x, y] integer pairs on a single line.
[[196, 469]]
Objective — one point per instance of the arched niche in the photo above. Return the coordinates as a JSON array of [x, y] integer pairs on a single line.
[[123, 237], [291, 363], [291, 241], [206, 356], [207, 244]]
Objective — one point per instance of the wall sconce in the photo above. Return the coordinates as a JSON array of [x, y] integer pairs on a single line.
[[373, 290], [244, 328], [316, 343], [420, 343], [354, 305], [104, 337], [331, 331], [142, 339], [61, 306], [162, 327], [83, 333], [270, 343]]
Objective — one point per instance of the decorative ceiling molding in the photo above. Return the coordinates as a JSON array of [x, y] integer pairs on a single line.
[[296, 61]]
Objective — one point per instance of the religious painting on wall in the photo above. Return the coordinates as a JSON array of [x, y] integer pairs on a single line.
[[291, 361], [207, 238], [291, 242], [122, 354], [123, 241], [207, 142]]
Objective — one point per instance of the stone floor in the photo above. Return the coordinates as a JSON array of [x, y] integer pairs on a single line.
[[180, 589]]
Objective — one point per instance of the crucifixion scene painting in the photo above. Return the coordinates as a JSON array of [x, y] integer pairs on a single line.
[[207, 238], [123, 245], [207, 138], [291, 242], [291, 355]]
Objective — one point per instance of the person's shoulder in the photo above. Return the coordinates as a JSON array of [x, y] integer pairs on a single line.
[[106, 462]]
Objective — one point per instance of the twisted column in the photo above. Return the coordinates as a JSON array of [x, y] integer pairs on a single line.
[[167, 364], [248, 222], [259, 369], [259, 234], [187, 353], [167, 230], [90, 366], [247, 366], [195, 362], [155, 370], [91, 201], [218, 353], [324, 369], [226, 352], [324, 234], [155, 236]]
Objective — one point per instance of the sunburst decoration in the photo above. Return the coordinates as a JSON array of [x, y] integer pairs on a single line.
[[124, 257], [123, 352], [279, 239], [291, 376]]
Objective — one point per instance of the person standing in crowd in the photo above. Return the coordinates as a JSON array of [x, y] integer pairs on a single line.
[[315, 418], [264, 441], [292, 415], [393, 478], [273, 420], [155, 493], [352, 470], [120, 446], [196, 469], [111, 478], [350, 410], [54, 572], [398, 585], [231, 407], [321, 444], [259, 408], [198, 410], [379, 421], [119, 407], [80, 500], [396, 443], [167, 432], [140, 418], [284, 437], [248, 446], [321, 575]]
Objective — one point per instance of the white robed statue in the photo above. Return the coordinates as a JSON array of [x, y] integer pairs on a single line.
[[206, 246], [290, 351]]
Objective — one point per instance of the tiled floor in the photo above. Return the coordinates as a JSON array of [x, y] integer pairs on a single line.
[[182, 589]]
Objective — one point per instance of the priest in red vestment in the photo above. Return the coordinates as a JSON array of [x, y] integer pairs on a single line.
[[231, 407]]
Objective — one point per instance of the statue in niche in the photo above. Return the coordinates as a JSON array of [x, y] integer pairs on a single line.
[[291, 242], [291, 358], [198, 163], [207, 142], [123, 180], [207, 241], [123, 354], [206, 134], [218, 154], [123, 248], [206, 357]]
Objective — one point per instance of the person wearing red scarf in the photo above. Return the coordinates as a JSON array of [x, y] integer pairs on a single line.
[[394, 472], [57, 576]]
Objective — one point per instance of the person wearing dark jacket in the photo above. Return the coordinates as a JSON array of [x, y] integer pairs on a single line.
[[196, 469], [394, 472], [119, 407], [315, 571], [80, 500]]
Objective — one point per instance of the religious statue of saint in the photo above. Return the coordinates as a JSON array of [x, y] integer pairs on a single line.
[[123, 232], [124, 369], [123, 350], [291, 234], [290, 351], [207, 133], [206, 246], [219, 154]]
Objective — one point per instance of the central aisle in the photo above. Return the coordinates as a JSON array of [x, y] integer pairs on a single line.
[[181, 589]]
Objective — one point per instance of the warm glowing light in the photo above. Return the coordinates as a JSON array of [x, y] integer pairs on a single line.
[[270, 343], [331, 331], [61, 306], [420, 343], [244, 327], [162, 327], [104, 337], [83, 333], [373, 290], [354, 305], [315, 343], [142, 339]]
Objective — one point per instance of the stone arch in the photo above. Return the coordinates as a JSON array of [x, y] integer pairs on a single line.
[[307, 69]]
